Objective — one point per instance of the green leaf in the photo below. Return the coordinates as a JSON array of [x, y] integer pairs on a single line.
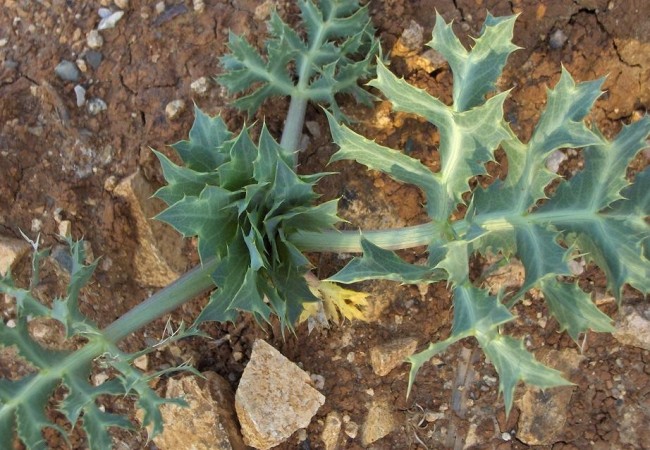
[[182, 181], [379, 264], [476, 71], [476, 312], [211, 217], [541, 256], [514, 363], [467, 141], [338, 52], [238, 172], [573, 309], [202, 152]]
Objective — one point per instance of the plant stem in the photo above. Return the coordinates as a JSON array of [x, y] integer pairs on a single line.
[[293, 126], [350, 241], [188, 286]]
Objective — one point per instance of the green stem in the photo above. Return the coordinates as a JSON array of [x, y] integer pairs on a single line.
[[188, 286], [350, 241], [293, 126]]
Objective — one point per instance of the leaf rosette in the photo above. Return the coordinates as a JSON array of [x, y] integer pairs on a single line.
[[244, 201]]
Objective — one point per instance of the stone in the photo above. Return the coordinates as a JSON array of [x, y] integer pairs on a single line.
[[200, 86], [93, 58], [67, 71], [543, 413], [65, 228], [94, 39], [80, 94], [198, 6], [96, 105], [274, 398], [11, 251], [379, 422], [158, 258], [332, 431], [633, 326], [174, 109], [557, 39], [386, 357], [209, 422], [109, 21], [122, 4]]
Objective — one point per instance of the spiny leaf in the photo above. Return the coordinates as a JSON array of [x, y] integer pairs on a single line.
[[514, 363], [476, 71], [476, 312], [574, 309], [339, 50], [202, 152], [211, 217], [540, 254], [182, 181], [379, 264], [467, 139]]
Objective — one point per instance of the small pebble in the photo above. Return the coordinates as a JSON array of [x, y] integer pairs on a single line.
[[94, 58], [554, 160], [122, 4], [198, 5], [160, 7], [318, 381], [110, 183], [141, 362], [80, 92], [37, 224], [67, 71], [110, 21], [96, 105], [174, 108], [65, 228], [557, 40], [94, 39], [506, 436], [351, 429], [3, 42], [200, 86], [81, 64], [104, 12]]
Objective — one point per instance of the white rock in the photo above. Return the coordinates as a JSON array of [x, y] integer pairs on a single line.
[[110, 20], [80, 94], [274, 398], [122, 4], [198, 5], [94, 39], [554, 160], [633, 326], [96, 105], [200, 86], [11, 251], [65, 228], [160, 7], [174, 109]]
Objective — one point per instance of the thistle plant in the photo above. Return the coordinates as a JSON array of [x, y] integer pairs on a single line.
[[255, 217]]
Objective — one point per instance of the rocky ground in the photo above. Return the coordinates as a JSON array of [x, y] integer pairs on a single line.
[[80, 108]]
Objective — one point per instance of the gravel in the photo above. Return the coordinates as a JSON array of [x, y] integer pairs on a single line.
[[67, 71]]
